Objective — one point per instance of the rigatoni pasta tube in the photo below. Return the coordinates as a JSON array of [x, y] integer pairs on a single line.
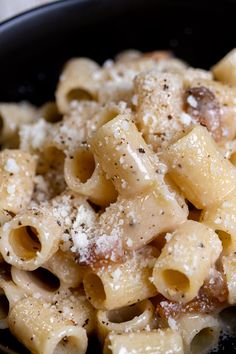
[[13, 293], [138, 220], [124, 156], [39, 282], [225, 69], [12, 116], [122, 284], [17, 169], [200, 332], [125, 319], [76, 83], [30, 238], [84, 175], [63, 265], [199, 169], [185, 260], [158, 342], [44, 330], [75, 307], [222, 219], [10, 294]]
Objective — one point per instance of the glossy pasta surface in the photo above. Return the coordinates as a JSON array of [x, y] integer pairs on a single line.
[[118, 208]]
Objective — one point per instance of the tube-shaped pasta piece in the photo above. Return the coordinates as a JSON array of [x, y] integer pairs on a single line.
[[229, 266], [44, 330], [158, 342], [199, 169], [75, 307], [104, 115], [159, 106], [140, 219], [63, 265], [84, 175], [40, 282], [10, 293], [122, 284], [125, 319], [185, 261], [76, 83], [30, 238], [17, 169], [222, 219], [200, 332], [225, 69], [12, 116], [124, 156]]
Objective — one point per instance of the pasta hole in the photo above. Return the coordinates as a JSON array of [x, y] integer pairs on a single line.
[[50, 113], [4, 306], [44, 279], [106, 117], [225, 239], [203, 341], [78, 95], [176, 280], [228, 320], [69, 344], [233, 159], [94, 288], [194, 213], [124, 314], [83, 165], [25, 242]]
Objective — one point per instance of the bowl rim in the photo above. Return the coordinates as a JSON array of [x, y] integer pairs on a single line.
[[38, 11]]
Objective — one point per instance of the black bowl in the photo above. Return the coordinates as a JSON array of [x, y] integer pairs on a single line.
[[34, 46]]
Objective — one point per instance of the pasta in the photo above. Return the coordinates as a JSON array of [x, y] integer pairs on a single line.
[[122, 285], [118, 208], [45, 330], [30, 239], [204, 180], [185, 261], [150, 342], [73, 86], [200, 332], [133, 318], [11, 118], [17, 171]]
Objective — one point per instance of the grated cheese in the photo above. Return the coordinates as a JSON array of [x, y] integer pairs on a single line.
[[11, 166], [192, 101]]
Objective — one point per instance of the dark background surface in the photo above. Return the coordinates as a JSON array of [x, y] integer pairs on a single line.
[[34, 46]]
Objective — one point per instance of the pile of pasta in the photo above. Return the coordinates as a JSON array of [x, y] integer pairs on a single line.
[[118, 208]]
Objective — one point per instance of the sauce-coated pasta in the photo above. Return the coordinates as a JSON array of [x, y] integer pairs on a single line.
[[118, 208]]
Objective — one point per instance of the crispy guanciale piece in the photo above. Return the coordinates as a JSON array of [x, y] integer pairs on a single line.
[[202, 105], [212, 295]]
